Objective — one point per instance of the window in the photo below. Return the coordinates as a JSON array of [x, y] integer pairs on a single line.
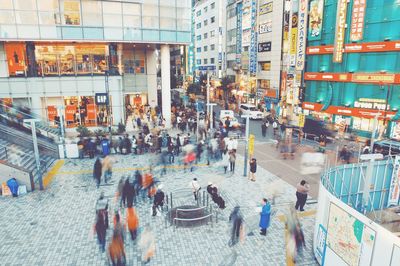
[[198, 61], [205, 61], [212, 33], [205, 9], [212, 60], [205, 22], [264, 65], [92, 13], [198, 37], [205, 35], [212, 5], [231, 34], [198, 13], [198, 49], [212, 19], [212, 47], [231, 49], [198, 25], [265, 84], [232, 11], [71, 13], [205, 48]]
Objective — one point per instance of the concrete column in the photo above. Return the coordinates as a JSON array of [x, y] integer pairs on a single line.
[[151, 61], [36, 106], [166, 84], [116, 104]]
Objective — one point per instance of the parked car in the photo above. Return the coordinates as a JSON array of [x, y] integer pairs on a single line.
[[250, 110]]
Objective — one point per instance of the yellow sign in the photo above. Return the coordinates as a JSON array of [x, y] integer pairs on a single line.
[[302, 119], [340, 31], [251, 145], [374, 78]]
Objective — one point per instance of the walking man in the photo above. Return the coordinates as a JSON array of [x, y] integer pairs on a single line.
[[253, 169], [97, 171], [301, 195]]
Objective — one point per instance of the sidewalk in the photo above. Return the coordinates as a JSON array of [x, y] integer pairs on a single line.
[[55, 227]]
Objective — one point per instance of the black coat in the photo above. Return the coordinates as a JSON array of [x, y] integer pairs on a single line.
[[253, 167], [97, 169]]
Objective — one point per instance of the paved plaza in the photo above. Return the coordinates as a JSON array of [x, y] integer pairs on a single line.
[[55, 227]]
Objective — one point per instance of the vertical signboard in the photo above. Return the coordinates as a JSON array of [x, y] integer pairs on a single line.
[[70, 111], [239, 13], [302, 34], [51, 112], [253, 39], [394, 190], [357, 20], [315, 20], [293, 32], [191, 60], [340, 31], [91, 111]]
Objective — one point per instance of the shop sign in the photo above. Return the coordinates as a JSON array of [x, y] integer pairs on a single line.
[[302, 34], [373, 78], [357, 48], [271, 93], [266, 8], [345, 111], [239, 32], [70, 111], [293, 33], [91, 111], [357, 20], [302, 119], [51, 112], [326, 76], [283, 83], [394, 191], [264, 47], [265, 27], [316, 18], [253, 39], [101, 98], [205, 68], [377, 105], [340, 31]]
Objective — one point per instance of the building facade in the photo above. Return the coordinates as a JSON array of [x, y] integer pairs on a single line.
[[353, 72], [209, 34], [61, 54]]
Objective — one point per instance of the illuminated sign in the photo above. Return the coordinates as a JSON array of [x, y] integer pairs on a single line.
[[101, 98], [357, 48], [266, 8], [264, 47], [302, 34], [373, 78], [357, 20], [340, 31]]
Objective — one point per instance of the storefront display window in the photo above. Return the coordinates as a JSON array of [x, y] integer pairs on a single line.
[[365, 124], [16, 54], [82, 110], [133, 60]]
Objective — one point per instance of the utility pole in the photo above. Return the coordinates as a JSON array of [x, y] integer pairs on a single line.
[[36, 149], [211, 114], [208, 93], [246, 145]]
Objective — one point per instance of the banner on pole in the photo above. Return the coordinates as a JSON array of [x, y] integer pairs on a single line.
[[340, 31], [251, 145], [394, 191]]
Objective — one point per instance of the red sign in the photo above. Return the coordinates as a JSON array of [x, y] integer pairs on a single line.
[[357, 20], [370, 78], [271, 94], [91, 111], [70, 111], [346, 111], [357, 48], [51, 112]]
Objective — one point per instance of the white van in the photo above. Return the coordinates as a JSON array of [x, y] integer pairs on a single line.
[[250, 110]]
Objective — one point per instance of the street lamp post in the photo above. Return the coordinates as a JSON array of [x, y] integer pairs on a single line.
[[208, 93], [211, 114], [246, 145], [35, 148], [106, 76]]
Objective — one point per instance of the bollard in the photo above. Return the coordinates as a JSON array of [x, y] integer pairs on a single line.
[[204, 196], [207, 199], [166, 198], [171, 201]]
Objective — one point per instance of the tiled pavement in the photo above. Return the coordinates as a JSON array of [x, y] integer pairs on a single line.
[[55, 227]]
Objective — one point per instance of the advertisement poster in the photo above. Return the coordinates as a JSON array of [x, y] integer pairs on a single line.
[[51, 112], [70, 111], [293, 32], [265, 27], [316, 18], [302, 35], [15, 58], [253, 39], [340, 31], [266, 8], [239, 32], [321, 240], [394, 191], [357, 20], [91, 111]]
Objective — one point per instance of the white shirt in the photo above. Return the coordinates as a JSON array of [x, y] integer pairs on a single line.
[[194, 185]]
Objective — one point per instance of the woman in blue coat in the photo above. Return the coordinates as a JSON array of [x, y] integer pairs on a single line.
[[265, 216]]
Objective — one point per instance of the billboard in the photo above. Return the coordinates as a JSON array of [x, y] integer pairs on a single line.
[[302, 34], [253, 39], [340, 31], [266, 8], [357, 20], [239, 32], [264, 47], [316, 19], [394, 192]]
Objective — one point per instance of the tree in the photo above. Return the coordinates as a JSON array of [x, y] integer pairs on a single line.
[[226, 86]]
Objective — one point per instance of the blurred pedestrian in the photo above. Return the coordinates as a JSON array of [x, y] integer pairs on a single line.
[[91, 148], [120, 194], [299, 238], [237, 222], [232, 160], [265, 216], [301, 195], [263, 130], [225, 161], [107, 167], [158, 199], [253, 169], [105, 146], [147, 244], [195, 186], [344, 155], [101, 228], [132, 221], [116, 251], [97, 171]]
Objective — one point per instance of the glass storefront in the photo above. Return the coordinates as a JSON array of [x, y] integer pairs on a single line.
[[134, 59]]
